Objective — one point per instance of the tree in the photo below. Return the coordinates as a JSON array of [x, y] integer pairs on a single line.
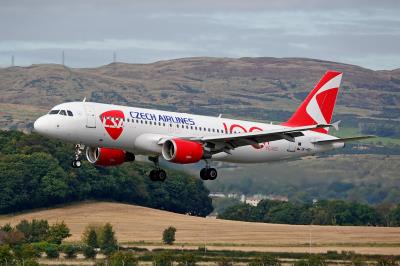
[[108, 242], [169, 235], [34, 231], [92, 238], [123, 258], [394, 216], [89, 252], [6, 228], [57, 232]]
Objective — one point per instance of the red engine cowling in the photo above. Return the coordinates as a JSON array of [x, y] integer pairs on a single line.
[[182, 151], [107, 156]]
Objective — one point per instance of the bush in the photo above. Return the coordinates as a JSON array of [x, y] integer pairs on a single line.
[[5, 254], [387, 261], [89, 252], [51, 251], [69, 250], [312, 260], [187, 259], [265, 260], [31, 262], [169, 235], [123, 258], [26, 251], [163, 259], [225, 262]]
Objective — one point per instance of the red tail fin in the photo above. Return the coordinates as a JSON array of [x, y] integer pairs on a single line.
[[318, 107]]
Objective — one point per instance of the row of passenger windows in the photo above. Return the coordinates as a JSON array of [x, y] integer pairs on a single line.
[[61, 112], [178, 126]]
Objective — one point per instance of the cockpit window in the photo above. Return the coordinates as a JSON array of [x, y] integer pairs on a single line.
[[62, 112], [69, 113], [54, 112]]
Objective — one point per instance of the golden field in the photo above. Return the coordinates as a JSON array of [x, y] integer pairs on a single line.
[[136, 225]]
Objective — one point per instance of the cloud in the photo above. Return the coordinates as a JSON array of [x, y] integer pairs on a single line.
[[107, 44], [151, 30]]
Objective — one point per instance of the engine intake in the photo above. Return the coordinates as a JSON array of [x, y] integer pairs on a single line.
[[182, 151], [107, 156]]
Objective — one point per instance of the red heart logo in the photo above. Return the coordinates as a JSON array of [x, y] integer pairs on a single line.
[[113, 122]]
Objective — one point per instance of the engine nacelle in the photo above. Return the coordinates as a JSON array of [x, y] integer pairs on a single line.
[[182, 151], [107, 156]]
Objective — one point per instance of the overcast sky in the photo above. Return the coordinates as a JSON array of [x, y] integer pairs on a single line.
[[361, 32]]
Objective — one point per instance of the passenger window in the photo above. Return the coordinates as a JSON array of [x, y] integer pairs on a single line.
[[62, 112], [69, 113], [54, 112]]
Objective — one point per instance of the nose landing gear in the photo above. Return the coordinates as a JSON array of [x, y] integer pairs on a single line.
[[208, 173], [76, 161], [157, 174]]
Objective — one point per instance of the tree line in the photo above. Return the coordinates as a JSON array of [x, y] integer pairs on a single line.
[[35, 172], [326, 212]]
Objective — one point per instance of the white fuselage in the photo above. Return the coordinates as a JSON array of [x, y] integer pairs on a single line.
[[137, 129]]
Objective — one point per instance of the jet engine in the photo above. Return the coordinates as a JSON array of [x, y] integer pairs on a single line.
[[182, 151], [107, 156]]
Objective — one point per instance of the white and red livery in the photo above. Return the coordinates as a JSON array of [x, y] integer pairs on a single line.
[[112, 134]]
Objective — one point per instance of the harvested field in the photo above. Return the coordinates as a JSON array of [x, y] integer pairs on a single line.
[[134, 224]]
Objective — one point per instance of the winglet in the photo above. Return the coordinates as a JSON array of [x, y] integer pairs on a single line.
[[336, 125]]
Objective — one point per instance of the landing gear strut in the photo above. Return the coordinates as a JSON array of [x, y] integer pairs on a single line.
[[76, 161], [208, 173], [157, 174]]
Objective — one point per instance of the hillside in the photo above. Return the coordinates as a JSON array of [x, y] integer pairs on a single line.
[[133, 224], [255, 88]]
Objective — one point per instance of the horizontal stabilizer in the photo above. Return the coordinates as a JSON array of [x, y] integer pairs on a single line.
[[343, 139]]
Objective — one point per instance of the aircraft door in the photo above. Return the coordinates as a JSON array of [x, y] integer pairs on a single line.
[[90, 116], [291, 146]]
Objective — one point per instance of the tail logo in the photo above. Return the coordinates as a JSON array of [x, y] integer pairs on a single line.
[[113, 122], [321, 104]]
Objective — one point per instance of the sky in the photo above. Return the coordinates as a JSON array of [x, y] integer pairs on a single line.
[[360, 32]]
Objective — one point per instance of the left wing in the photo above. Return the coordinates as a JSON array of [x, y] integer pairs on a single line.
[[343, 139], [231, 141]]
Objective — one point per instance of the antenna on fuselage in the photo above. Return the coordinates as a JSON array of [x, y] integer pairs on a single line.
[[84, 99], [220, 115]]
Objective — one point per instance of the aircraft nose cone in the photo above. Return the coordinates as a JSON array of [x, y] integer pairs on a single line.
[[40, 125]]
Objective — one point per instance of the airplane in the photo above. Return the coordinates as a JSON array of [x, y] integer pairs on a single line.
[[110, 135]]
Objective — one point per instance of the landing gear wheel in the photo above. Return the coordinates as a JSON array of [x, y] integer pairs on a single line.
[[153, 175], [162, 175], [158, 175], [212, 173], [203, 174], [76, 164]]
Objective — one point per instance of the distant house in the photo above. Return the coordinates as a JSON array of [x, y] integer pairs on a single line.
[[217, 195], [252, 201]]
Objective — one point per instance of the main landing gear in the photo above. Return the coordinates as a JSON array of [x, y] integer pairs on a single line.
[[76, 161], [208, 173], [157, 174]]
